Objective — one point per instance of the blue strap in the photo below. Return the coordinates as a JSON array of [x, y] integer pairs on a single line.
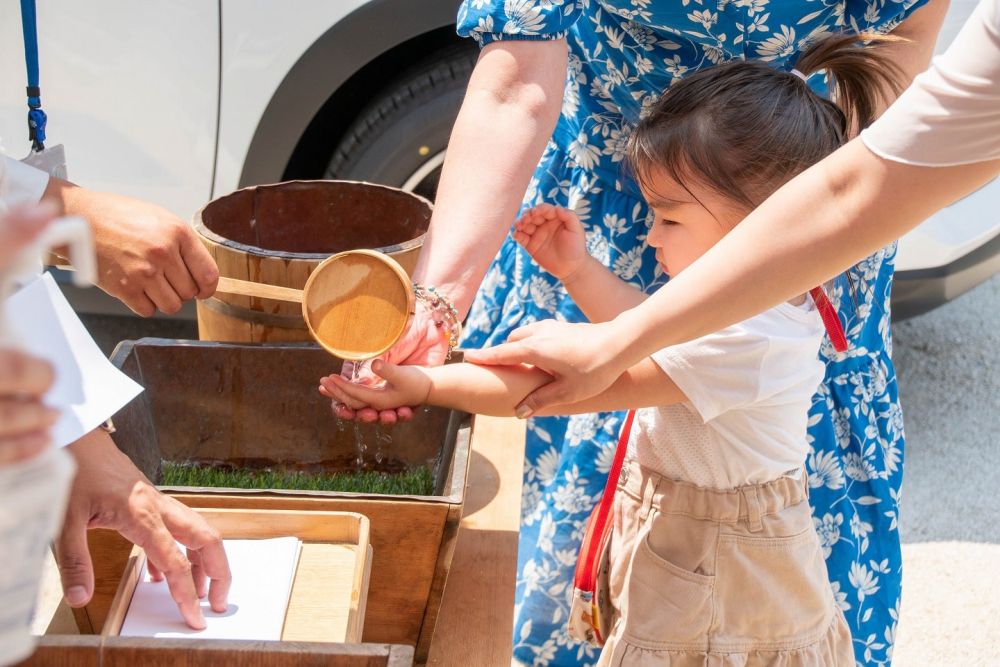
[[36, 117]]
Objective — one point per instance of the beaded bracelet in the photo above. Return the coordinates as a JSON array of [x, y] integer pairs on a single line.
[[446, 314]]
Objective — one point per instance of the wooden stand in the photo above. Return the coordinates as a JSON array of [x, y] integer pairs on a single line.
[[326, 606], [330, 589], [96, 651], [476, 606], [223, 401], [477, 610]]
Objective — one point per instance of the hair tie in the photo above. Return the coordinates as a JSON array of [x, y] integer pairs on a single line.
[[800, 75]]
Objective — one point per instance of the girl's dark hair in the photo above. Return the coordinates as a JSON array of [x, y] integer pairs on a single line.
[[744, 128]]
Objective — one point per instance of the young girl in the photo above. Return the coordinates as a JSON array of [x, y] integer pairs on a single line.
[[714, 556]]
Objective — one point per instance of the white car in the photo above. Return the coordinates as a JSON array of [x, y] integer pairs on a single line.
[[178, 102]]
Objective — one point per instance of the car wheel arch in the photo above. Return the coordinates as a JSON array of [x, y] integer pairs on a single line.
[[372, 30]]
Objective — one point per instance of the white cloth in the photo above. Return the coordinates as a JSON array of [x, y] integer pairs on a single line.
[[951, 113], [20, 184], [749, 389]]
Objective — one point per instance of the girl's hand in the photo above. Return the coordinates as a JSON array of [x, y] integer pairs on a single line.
[[404, 385], [554, 237], [423, 344]]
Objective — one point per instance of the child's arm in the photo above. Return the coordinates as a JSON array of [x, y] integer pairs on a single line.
[[555, 238], [496, 390]]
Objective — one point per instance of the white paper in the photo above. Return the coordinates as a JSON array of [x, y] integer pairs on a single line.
[[88, 389], [263, 571]]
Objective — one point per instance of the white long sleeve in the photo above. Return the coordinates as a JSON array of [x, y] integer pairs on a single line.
[[951, 113], [20, 184]]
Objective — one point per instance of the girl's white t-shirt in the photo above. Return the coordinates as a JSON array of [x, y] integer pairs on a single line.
[[749, 389], [950, 115]]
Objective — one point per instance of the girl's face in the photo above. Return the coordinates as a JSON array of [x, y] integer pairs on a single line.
[[688, 222]]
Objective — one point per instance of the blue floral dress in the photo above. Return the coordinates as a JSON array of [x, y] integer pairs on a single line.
[[622, 55]]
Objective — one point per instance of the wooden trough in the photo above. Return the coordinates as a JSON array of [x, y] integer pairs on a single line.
[[245, 401]]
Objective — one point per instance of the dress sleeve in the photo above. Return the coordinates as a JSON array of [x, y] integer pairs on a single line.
[[488, 21], [876, 15], [951, 113], [760, 361]]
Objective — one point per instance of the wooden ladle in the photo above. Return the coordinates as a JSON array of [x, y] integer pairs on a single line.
[[356, 304]]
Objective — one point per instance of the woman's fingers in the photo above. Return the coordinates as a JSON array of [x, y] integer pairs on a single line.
[[24, 376]]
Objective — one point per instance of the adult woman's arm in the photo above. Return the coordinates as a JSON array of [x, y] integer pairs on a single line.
[[817, 225], [508, 114], [919, 32]]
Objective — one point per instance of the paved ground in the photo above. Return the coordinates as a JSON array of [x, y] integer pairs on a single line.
[[950, 520]]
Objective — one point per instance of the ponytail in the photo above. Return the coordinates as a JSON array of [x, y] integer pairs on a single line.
[[864, 76]]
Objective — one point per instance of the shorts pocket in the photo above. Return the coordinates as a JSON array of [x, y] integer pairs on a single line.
[[666, 604], [771, 591]]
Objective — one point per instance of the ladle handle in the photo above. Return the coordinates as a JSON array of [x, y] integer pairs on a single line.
[[247, 288]]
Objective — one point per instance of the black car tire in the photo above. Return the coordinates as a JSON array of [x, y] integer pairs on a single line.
[[407, 127]]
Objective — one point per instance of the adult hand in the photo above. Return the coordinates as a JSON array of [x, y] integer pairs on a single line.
[[147, 257], [583, 359], [110, 492], [24, 418], [423, 344], [24, 380]]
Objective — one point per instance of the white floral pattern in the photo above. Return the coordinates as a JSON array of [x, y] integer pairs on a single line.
[[623, 54]]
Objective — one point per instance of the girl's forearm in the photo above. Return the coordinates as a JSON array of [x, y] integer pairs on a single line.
[[509, 113], [484, 390], [498, 390], [599, 293]]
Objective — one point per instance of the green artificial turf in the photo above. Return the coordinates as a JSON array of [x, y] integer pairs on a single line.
[[418, 482]]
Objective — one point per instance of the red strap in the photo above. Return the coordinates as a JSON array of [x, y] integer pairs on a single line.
[[831, 320], [586, 571]]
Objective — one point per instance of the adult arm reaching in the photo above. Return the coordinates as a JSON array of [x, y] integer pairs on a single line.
[[508, 114]]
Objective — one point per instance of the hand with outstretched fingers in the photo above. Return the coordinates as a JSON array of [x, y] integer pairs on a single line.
[[403, 385], [110, 492]]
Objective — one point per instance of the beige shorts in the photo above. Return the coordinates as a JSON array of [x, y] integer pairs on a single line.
[[729, 578]]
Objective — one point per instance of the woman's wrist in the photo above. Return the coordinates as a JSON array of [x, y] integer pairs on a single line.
[[442, 312]]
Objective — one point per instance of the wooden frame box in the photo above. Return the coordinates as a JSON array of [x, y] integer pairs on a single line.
[[313, 627], [330, 589], [224, 395], [96, 651]]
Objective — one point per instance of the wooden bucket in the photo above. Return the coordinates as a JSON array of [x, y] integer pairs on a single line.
[[277, 234]]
